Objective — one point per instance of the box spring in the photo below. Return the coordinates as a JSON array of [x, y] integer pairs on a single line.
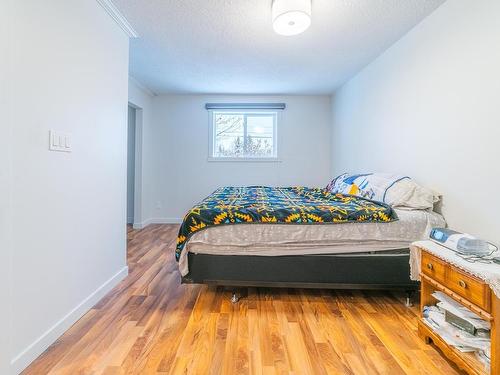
[[376, 270]]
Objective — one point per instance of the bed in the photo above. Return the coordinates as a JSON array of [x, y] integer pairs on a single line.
[[299, 237]]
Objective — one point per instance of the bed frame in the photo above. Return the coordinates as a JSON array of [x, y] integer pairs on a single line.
[[335, 271]]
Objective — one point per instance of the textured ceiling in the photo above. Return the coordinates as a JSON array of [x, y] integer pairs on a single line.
[[229, 46]]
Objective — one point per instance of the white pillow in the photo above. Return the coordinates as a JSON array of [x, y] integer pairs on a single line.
[[407, 194]]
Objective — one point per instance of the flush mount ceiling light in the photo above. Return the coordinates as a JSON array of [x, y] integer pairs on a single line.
[[291, 17]]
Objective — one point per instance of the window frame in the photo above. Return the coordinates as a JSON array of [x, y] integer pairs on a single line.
[[245, 113]]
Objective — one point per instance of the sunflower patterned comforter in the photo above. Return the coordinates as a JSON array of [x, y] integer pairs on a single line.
[[279, 205]]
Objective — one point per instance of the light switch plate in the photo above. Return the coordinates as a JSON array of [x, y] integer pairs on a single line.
[[59, 141]]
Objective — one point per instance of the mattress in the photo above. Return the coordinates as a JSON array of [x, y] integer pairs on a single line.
[[301, 239]]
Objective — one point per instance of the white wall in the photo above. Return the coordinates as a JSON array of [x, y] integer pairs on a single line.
[[429, 107], [180, 142], [69, 209], [6, 66], [145, 163]]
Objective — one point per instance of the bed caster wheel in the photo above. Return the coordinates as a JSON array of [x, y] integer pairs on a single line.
[[409, 299], [234, 298]]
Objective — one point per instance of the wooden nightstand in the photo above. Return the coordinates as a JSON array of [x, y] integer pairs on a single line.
[[470, 291]]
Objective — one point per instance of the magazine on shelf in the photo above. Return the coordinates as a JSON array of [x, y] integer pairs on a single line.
[[473, 339]]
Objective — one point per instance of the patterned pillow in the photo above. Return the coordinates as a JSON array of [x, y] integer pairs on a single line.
[[367, 185], [334, 185], [396, 190]]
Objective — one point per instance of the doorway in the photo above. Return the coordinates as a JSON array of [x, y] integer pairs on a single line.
[[131, 164]]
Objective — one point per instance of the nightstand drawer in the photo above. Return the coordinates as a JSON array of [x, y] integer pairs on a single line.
[[433, 267], [467, 286]]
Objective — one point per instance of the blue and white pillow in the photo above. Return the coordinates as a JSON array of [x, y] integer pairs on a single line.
[[394, 189], [367, 185]]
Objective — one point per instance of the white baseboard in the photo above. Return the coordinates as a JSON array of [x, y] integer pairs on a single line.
[[158, 220], [166, 220], [28, 355], [144, 224]]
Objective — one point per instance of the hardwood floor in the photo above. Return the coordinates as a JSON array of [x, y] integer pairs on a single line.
[[150, 324]]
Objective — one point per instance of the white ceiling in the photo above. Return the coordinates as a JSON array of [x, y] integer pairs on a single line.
[[229, 46]]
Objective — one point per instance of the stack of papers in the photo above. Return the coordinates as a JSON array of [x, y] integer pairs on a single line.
[[434, 317], [449, 304]]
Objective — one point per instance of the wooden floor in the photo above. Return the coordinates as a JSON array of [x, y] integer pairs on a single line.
[[150, 324]]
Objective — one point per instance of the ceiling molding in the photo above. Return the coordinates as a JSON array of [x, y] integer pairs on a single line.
[[118, 17], [141, 86]]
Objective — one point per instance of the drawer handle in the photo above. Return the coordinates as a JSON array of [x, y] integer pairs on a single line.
[[462, 283], [430, 266]]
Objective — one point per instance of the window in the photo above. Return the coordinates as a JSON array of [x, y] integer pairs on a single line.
[[243, 135]]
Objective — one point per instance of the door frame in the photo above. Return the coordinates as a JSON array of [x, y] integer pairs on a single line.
[[138, 216]]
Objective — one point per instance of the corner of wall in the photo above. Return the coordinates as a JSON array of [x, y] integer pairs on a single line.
[[332, 133]]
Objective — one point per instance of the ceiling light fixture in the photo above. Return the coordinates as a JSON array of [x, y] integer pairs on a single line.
[[291, 17]]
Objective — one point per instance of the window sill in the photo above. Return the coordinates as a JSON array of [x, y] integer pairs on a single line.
[[247, 160]]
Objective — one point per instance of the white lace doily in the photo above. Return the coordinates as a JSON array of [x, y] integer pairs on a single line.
[[488, 272]]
